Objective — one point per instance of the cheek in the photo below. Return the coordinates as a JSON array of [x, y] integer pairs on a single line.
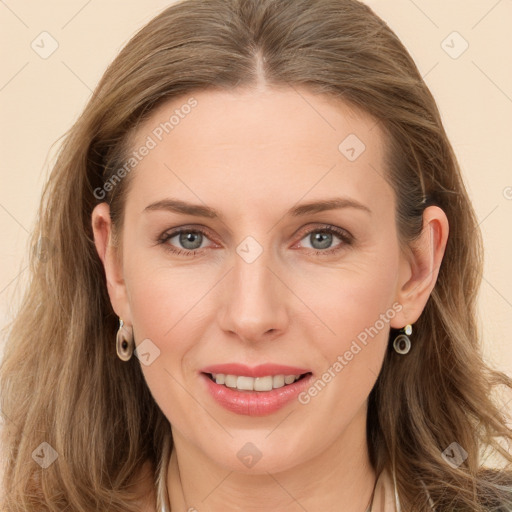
[[171, 307], [352, 299], [165, 304], [161, 298], [357, 307]]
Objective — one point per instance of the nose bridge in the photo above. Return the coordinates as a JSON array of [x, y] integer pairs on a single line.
[[254, 302]]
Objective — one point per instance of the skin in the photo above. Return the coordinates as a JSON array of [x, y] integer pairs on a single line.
[[253, 155]]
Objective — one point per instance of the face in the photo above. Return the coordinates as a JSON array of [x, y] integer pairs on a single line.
[[259, 242]]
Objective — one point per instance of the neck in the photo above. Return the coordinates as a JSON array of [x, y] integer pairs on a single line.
[[339, 478]]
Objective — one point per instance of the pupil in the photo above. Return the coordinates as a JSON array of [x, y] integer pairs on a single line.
[[189, 240], [324, 239]]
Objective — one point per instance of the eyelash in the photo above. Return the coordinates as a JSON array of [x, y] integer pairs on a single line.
[[342, 234]]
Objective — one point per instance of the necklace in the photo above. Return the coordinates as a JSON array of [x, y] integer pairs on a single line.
[[162, 502]]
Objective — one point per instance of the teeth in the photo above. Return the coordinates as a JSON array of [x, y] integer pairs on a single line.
[[244, 383], [230, 381], [264, 383], [219, 378], [278, 381]]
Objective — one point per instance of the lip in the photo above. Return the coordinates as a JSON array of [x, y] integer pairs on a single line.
[[261, 370], [255, 403]]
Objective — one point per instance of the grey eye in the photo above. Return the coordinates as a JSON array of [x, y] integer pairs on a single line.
[[190, 240], [321, 239]]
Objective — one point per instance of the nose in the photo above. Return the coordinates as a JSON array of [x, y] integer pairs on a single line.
[[255, 300]]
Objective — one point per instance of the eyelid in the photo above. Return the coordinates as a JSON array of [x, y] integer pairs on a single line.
[[341, 233], [169, 233]]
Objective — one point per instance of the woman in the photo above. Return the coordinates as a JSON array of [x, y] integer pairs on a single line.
[[261, 293]]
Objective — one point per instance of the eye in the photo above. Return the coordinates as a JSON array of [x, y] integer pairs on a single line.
[[188, 241], [184, 240], [321, 239]]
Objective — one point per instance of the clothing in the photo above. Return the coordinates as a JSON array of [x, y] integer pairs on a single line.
[[386, 495], [386, 498]]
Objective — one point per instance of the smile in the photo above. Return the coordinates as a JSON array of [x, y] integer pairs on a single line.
[[244, 383], [257, 391]]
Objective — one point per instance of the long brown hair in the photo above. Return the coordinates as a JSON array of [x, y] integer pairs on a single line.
[[61, 381]]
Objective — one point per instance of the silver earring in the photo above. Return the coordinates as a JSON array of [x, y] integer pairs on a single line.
[[124, 342], [402, 343]]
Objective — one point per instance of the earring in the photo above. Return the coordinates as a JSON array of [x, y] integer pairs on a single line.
[[124, 342], [402, 343]]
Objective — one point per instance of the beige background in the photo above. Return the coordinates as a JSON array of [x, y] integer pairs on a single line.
[[41, 98]]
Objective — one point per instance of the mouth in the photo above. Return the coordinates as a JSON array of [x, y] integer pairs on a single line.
[[263, 384], [267, 390]]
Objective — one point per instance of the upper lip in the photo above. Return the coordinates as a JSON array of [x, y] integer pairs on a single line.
[[261, 370]]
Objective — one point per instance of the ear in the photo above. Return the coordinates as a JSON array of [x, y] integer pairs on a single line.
[[419, 268], [112, 261]]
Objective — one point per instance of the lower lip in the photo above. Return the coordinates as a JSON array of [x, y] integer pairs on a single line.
[[255, 403]]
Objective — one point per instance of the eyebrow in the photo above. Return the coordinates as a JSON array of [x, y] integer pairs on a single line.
[[178, 206]]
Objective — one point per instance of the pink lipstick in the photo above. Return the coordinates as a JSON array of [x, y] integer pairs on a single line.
[[255, 391]]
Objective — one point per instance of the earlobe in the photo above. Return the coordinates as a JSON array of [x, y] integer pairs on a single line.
[[422, 266]]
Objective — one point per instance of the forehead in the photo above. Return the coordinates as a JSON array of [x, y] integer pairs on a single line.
[[244, 145]]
